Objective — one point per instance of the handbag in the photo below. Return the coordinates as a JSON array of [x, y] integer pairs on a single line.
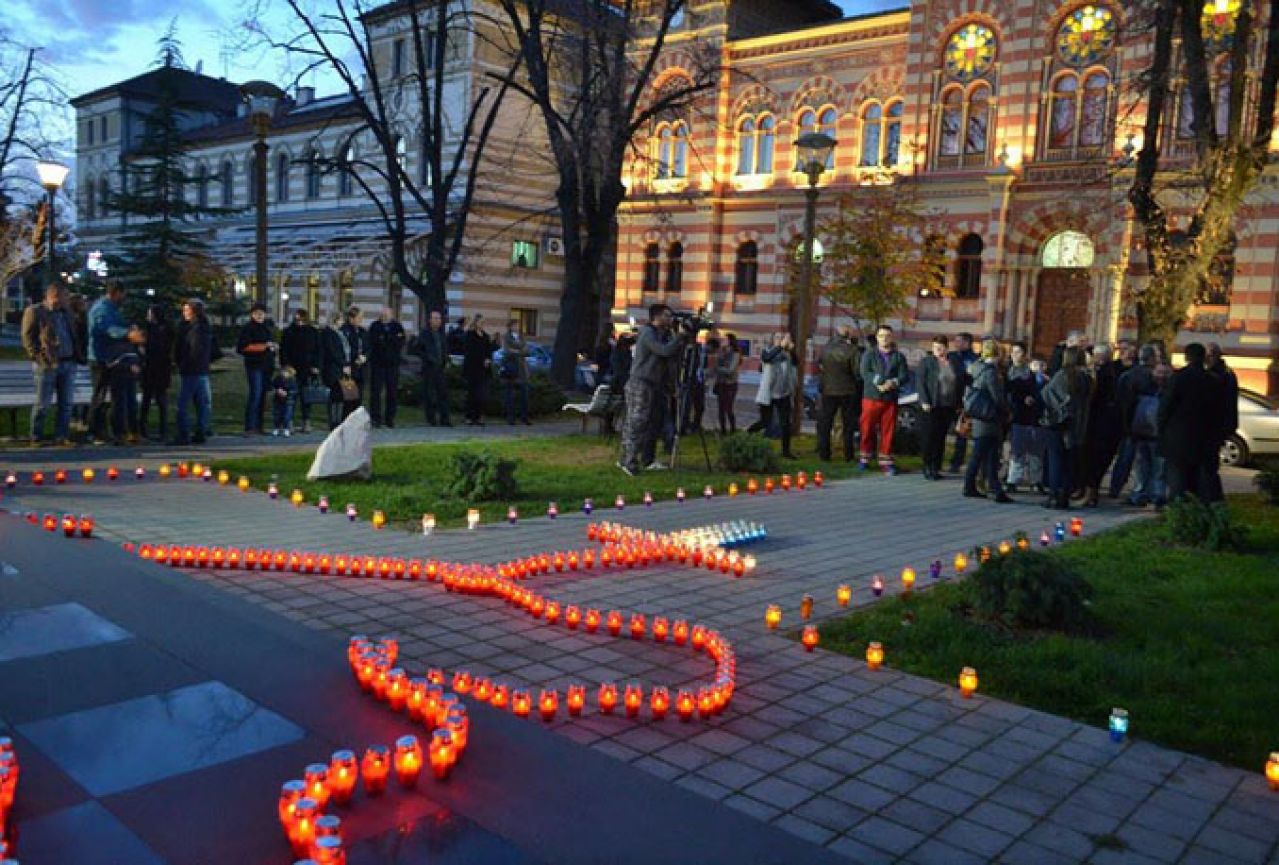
[[315, 394], [350, 390], [964, 426]]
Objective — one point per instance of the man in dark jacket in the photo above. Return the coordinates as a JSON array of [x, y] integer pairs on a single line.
[[48, 337], [357, 349], [193, 352], [961, 357], [107, 328], [334, 365], [1138, 397], [1215, 364], [432, 347], [1190, 413], [656, 352], [884, 371], [1105, 426], [840, 365], [941, 376], [256, 344], [157, 368], [386, 350], [300, 349]]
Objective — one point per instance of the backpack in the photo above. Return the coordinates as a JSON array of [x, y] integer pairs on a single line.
[[978, 405], [1145, 417]]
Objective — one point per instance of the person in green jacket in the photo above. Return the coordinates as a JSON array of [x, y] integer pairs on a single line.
[[884, 371]]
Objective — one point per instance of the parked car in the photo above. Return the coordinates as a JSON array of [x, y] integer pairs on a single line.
[[908, 410], [539, 358], [1258, 433]]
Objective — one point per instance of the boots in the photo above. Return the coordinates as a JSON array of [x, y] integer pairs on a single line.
[[1090, 497]]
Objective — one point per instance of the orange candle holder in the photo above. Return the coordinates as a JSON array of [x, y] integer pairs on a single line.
[[773, 616], [548, 703], [685, 705], [1272, 770], [575, 700], [638, 626], [442, 754], [810, 637], [705, 703], [614, 622], [316, 778], [908, 579], [633, 700], [967, 682], [408, 761], [375, 769], [291, 793], [874, 656], [572, 617], [343, 773], [659, 702], [679, 632], [88, 475], [607, 698], [806, 607], [521, 704], [843, 595], [302, 832], [661, 629], [501, 697]]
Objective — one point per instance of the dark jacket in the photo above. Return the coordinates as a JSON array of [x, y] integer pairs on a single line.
[[875, 369], [1230, 411], [1061, 398], [193, 347], [1134, 384], [929, 381], [331, 356], [1023, 385], [432, 347], [985, 377], [157, 358], [1105, 411], [477, 355], [620, 362], [655, 359], [300, 348], [40, 336], [357, 342], [253, 344], [516, 348], [841, 368], [386, 343], [1190, 413]]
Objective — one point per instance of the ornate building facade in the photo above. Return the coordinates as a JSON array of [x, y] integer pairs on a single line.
[[1015, 120]]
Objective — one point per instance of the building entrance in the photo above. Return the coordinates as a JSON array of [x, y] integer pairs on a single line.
[[1061, 305]]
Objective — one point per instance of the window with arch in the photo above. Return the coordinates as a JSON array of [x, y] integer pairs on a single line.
[[881, 134], [675, 268], [313, 174], [346, 170], [104, 195], [1068, 249], [1078, 111], [228, 183], [282, 177], [671, 158], [812, 120], [202, 186], [746, 276], [968, 266], [966, 103], [652, 268], [756, 143]]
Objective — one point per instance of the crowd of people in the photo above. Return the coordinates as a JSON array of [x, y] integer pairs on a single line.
[[336, 365]]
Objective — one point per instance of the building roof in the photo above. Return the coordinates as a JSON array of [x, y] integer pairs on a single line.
[[288, 115], [190, 88]]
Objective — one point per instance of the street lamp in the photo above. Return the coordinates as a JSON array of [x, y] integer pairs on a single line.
[[815, 149], [52, 176], [261, 97]]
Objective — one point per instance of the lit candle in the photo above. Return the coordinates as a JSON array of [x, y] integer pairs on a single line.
[[323, 504], [810, 637], [302, 832], [1272, 770], [37, 478], [273, 490], [224, 477], [68, 525], [291, 793], [1023, 543], [379, 519], [552, 510], [501, 696], [327, 850], [587, 506], [317, 783], [1005, 548], [908, 579], [243, 484], [86, 526], [679, 632], [472, 518], [967, 681], [1076, 526], [1118, 724], [1044, 540], [752, 486], [961, 563], [592, 621], [548, 703], [521, 703], [10, 480], [408, 761], [659, 702], [512, 515], [769, 486], [297, 498], [732, 490], [638, 626], [351, 513], [773, 616], [843, 595], [375, 769], [428, 523], [786, 483], [708, 493], [877, 585], [60, 476], [442, 755], [633, 700], [679, 495], [620, 502], [576, 699], [607, 698], [806, 607], [572, 617], [342, 776], [661, 629], [88, 475], [874, 656], [207, 474], [685, 704]]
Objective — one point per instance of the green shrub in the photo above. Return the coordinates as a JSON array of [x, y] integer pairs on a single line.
[[1267, 481], [482, 477], [1192, 523], [545, 396], [747, 452], [1031, 589]]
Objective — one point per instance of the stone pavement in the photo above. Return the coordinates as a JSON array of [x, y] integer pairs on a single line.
[[876, 767]]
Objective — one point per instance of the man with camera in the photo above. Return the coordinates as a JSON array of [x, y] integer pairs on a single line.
[[653, 372]]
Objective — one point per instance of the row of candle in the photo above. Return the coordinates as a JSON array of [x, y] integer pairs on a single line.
[[700, 546], [9, 772], [70, 524]]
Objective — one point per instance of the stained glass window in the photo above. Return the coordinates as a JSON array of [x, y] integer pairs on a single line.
[[1068, 249], [1086, 35], [1062, 128], [970, 52], [1218, 23]]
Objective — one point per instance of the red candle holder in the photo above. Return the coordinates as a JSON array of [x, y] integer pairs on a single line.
[[659, 702], [408, 761], [607, 698], [575, 699], [375, 769], [548, 704]]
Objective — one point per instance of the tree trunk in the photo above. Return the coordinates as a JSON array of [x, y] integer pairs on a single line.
[[572, 302]]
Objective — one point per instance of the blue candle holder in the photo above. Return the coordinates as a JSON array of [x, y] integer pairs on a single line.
[[1118, 724]]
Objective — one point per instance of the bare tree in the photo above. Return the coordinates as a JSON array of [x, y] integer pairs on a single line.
[[589, 67], [1231, 141], [31, 97], [342, 41]]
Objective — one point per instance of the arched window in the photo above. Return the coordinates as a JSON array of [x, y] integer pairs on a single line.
[[975, 140], [881, 134], [313, 174], [952, 118], [652, 268], [202, 186], [1061, 128], [807, 123], [872, 123], [104, 195], [746, 147], [672, 150], [1077, 118], [1068, 249], [228, 183], [346, 170], [963, 123], [826, 126], [675, 268], [746, 278], [1092, 113], [679, 167], [968, 266], [90, 200], [765, 145], [893, 134], [282, 177]]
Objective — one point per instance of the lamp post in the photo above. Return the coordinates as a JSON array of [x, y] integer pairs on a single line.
[[52, 176], [815, 149], [261, 97]]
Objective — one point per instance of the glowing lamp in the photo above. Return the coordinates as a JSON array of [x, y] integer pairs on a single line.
[[806, 608], [679, 632], [685, 705], [810, 637], [166, 470], [317, 783], [769, 486], [327, 849], [379, 519], [1044, 540], [967, 681], [206, 475], [552, 510], [548, 703], [874, 656], [620, 502], [442, 754], [587, 506], [1004, 548], [607, 698], [472, 518], [732, 490], [659, 702], [1023, 543], [37, 478], [592, 621], [50, 523], [1272, 770], [302, 830], [961, 563], [752, 486], [1076, 526], [552, 612], [351, 512], [614, 622], [463, 682], [877, 585], [638, 626], [801, 480], [708, 493], [184, 470], [661, 629], [908, 579], [85, 525], [88, 475], [633, 700], [773, 616], [501, 697], [69, 525], [243, 484], [273, 490], [843, 595], [297, 498], [291, 793], [512, 515], [60, 476], [575, 699], [786, 483], [342, 776], [1118, 724], [10, 480], [699, 637], [375, 769], [224, 477], [408, 761], [983, 554], [705, 702], [680, 495], [521, 703]]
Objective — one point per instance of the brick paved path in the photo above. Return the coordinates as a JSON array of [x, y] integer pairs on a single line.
[[878, 767]]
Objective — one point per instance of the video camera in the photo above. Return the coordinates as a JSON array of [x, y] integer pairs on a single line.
[[694, 322]]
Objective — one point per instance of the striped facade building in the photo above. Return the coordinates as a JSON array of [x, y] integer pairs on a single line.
[[1015, 120]]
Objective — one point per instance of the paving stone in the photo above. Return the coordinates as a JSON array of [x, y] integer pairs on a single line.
[[703, 787], [720, 741], [1239, 847], [1109, 856], [763, 757], [934, 852], [858, 793], [686, 756], [779, 793], [1001, 818], [975, 838], [657, 767], [731, 773], [863, 854], [944, 797], [796, 744], [812, 776], [917, 815], [969, 781], [890, 778], [887, 835], [1064, 841], [804, 829], [1086, 820], [831, 813], [1174, 825], [753, 807], [1205, 856], [1025, 853]]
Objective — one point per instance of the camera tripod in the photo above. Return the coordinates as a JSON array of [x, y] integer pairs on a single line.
[[689, 363]]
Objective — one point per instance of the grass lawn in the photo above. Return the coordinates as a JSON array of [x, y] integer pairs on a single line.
[[1190, 644], [409, 479]]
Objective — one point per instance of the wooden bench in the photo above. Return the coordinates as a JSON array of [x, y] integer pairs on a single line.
[[17, 390], [604, 406]]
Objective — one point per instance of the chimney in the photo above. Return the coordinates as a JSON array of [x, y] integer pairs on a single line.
[[306, 95]]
